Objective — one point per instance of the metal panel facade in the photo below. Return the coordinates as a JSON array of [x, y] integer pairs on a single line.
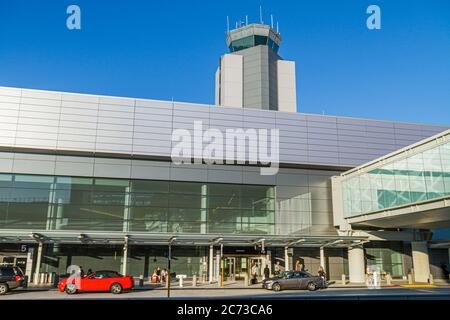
[[65, 121]]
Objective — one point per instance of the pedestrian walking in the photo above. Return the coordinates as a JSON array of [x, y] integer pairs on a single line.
[[277, 268], [323, 276], [266, 272], [254, 271]]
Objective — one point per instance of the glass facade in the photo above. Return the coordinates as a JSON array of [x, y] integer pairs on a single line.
[[253, 41], [420, 177], [387, 257], [71, 203]]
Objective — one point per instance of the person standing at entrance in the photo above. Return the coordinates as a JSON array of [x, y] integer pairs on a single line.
[[321, 273], [254, 272], [277, 268], [298, 265], [266, 272]]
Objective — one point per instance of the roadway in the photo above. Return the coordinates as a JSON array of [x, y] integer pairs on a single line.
[[395, 293]]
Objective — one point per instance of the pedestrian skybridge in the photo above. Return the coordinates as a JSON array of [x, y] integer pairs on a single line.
[[409, 188]]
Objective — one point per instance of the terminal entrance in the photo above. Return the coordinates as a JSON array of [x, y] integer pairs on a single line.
[[14, 260], [236, 267]]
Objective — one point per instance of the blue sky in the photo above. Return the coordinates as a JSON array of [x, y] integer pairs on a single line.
[[165, 49]]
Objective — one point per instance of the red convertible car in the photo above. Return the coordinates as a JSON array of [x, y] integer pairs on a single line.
[[104, 280]]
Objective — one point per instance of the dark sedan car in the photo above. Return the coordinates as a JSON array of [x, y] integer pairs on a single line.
[[294, 280], [10, 278]]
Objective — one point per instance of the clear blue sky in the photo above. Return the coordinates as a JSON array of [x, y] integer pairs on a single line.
[[164, 49]]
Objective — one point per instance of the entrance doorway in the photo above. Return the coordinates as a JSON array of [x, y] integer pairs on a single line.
[[236, 267], [15, 260]]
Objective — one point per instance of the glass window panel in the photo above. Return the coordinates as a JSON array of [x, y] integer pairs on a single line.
[[74, 183], [152, 200], [257, 191], [224, 189], [73, 196], [182, 220], [149, 219], [29, 195], [184, 201], [155, 186], [185, 187], [27, 215]]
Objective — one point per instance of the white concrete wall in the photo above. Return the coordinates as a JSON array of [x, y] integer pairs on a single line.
[[231, 80], [287, 92]]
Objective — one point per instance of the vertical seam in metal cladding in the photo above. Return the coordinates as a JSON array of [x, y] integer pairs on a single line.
[[17, 130]]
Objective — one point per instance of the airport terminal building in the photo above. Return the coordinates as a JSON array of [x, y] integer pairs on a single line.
[[89, 180]]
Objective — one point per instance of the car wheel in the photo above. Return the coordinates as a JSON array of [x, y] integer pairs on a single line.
[[116, 288], [276, 287], [3, 288], [312, 286], [71, 288]]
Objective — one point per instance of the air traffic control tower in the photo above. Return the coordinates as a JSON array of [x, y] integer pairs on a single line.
[[252, 74]]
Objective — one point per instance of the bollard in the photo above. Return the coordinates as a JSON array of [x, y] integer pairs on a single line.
[[431, 279], [42, 278], [344, 279], [410, 278], [388, 279], [36, 278], [50, 278], [246, 280], [194, 280], [181, 278]]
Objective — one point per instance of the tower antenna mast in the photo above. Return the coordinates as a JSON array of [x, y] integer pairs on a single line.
[[261, 15]]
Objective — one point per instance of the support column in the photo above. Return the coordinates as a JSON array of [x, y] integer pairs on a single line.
[[211, 263], [356, 270], [29, 265], [421, 262], [125, 258], [322, 259], [37, 269], [286, 259], [217, 271]]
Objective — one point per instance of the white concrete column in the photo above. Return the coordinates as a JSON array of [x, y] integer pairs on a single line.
[[37, 269], [218, 260], [356, 270], [322, 259], [125, 259], [29, 265], [211, 264], [286, 259], [421, 262]]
